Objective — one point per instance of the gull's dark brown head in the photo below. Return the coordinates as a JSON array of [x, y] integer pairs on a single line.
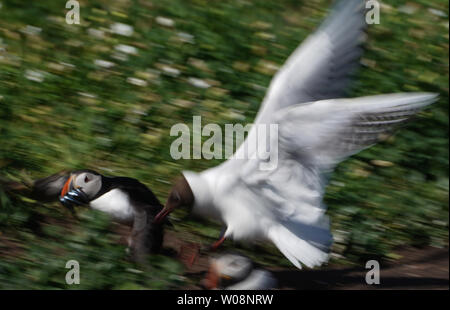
[[180, 196]]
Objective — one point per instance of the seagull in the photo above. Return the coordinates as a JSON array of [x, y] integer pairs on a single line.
[[126, 200], [317, 129]]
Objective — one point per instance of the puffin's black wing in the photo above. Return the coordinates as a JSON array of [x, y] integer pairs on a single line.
[[45, 189], [146, 236], [49, 188]]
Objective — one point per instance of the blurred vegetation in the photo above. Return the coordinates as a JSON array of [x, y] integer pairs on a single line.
[[104, 95]]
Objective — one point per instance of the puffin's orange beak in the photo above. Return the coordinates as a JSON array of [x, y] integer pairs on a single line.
[[67, 186]]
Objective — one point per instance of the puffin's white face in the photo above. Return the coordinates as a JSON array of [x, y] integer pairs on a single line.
[[88, 182], [231, 266]]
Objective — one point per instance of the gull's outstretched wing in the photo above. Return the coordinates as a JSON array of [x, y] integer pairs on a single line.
[[321, 67], [326, 132], [312, 139]]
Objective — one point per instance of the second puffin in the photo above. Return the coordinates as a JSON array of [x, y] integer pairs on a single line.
[[126, 200]]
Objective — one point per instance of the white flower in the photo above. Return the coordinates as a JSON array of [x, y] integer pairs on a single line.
[[126, 49], [185, 37], [96, 33], [408, 9], [31, 30], [36, 76], [136, 81], [198, 83], [437, 12], [164, 21], [104, 63], [170, 71], [122, 29], [120, 56], [87, 95], [67, 65]]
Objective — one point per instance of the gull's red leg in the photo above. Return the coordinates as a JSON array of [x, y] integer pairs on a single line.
[[212, 248], [216, 244]]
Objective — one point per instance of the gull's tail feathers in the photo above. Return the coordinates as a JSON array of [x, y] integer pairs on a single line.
[[296, 249]]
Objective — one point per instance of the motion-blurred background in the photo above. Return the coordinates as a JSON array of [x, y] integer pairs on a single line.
[[104, 94]]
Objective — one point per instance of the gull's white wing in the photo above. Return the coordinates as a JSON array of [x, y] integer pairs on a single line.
[[321, 67], [326, 132], [312, 139]]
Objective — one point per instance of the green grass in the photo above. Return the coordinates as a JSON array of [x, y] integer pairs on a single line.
[[81, 115]]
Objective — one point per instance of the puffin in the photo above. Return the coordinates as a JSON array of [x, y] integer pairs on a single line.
[[278, 198], [125, 199], [236, 272]]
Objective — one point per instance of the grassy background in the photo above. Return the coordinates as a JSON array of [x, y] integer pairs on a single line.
[[59, 109]]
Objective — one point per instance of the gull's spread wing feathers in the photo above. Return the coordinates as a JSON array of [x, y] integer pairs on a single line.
[[326, 132], [312, 139], [321, 67]]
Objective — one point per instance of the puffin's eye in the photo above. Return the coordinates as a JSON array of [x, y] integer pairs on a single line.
[[86, 179]]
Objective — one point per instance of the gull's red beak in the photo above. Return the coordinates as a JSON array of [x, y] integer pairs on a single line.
[[162, 214], [67, 186], [180, 195]]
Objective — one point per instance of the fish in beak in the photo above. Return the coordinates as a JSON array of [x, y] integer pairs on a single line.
[[72, 196]]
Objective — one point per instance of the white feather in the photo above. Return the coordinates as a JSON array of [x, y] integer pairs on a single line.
[[116, 203]]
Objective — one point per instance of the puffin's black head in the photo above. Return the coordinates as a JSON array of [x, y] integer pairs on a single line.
[[180, 196], [81, 187]]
